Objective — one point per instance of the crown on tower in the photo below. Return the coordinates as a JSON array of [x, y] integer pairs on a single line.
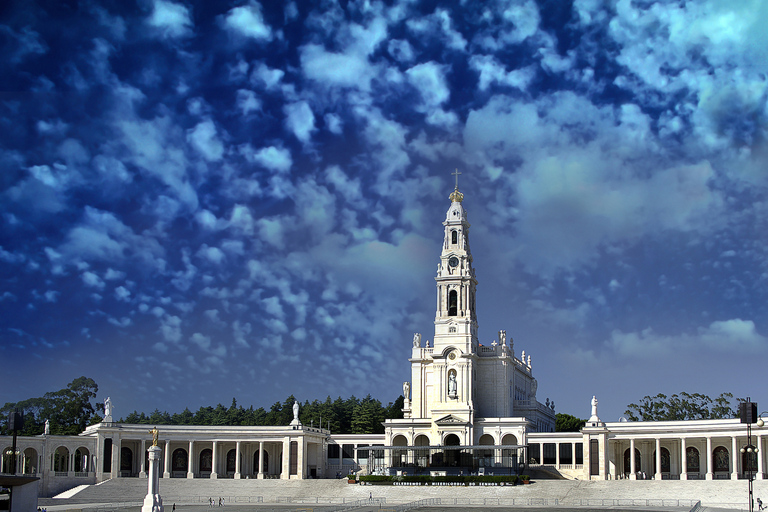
[[456, 196]]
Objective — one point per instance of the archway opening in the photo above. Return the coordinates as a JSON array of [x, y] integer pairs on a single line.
[[720, 460], [231, 462], [179, 461], [627, 461]]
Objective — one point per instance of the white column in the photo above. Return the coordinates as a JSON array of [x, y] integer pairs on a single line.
[[143, 470], [734, 459], [167, 459], [657, 476], [116, 448], [557, 455], [708, 457], [191, 460], [260, 475], [214, 462], [759, 475], [684, 459], [632, 474], [237, 461], [285, 471], [573, 455]]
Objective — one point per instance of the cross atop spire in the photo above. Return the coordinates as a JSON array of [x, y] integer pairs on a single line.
[[456, 196]]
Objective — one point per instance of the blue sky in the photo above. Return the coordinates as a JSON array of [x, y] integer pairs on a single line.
[[208, 200]]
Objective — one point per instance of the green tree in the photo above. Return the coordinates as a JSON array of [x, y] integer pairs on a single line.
[[68, 410], [568, 423], [684, 406], [367, 417]]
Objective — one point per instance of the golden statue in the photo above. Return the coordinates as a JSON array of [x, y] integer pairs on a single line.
[[154, 433]]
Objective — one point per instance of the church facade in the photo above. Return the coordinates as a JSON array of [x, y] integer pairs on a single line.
[[469, 408]]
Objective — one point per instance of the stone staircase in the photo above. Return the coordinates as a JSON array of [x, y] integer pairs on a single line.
[[722, 494]]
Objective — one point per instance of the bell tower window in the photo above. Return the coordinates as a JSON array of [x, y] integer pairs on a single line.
[[452, 303], [454, 237]]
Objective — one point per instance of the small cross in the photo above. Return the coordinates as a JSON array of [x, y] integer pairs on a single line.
[[457, 178]]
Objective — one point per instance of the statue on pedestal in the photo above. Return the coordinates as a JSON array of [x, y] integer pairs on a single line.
[[295, 422], [47, 430], [416, 339], [406, 390], [155, 433], [594, 419], [108, 407]]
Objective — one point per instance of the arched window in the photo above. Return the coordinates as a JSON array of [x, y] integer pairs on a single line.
[[627, 462], [453, 303], [206, 460], [265, 463], [454, 237], [692, 459], [179, 460], [721, 460], [231, 458], [665, 459]]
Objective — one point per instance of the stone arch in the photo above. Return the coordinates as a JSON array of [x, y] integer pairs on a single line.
[[721, 461], [179, 460], [61, 459], [509, 439], [265, 469], [422, 454], [509, 455], [692, 460], [30, 461], [485, 456], [231, 461], [82, 457], [451, 457], [453, 303], [399, 457], [454, 236], [206, 460], [126, 459], [628, 461], [5, 467], [665, 460]]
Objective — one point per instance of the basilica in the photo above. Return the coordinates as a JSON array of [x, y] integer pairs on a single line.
[[469, 409]]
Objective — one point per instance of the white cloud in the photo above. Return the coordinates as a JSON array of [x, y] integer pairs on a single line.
[[204, 139], [92, 280], [212, 254], [729, 336], [248, 21], [493, 72], [102, 236], [122, 293], [271, 157], [266, 76], [247, 101], [300, 120], [171, 19]]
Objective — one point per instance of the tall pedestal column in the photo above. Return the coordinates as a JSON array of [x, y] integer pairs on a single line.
[[153, 502]]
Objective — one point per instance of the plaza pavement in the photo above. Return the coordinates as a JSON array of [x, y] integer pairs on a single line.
[[191, 495]]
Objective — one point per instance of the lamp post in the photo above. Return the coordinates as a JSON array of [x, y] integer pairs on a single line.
[[748, 415]]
